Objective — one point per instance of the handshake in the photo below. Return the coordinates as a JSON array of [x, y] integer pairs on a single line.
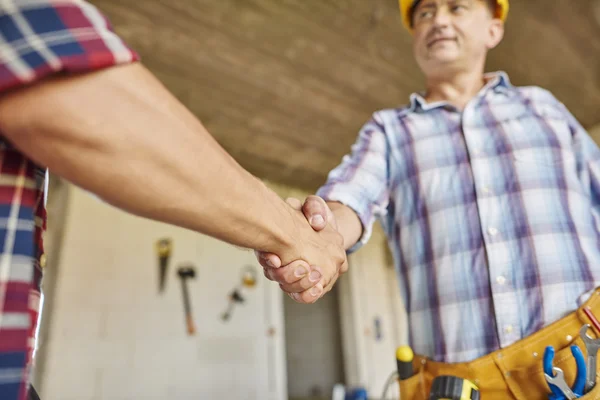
[[308, 266]]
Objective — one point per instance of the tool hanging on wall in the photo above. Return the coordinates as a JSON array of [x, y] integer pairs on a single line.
[[249, 276], [235, 297], [163, 249], [187, 272]]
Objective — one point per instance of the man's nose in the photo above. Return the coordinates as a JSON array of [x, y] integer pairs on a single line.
[[442, 17]]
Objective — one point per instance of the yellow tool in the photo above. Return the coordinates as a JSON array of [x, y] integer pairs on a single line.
[[447, 387], [249, 276], [163, 248], [406, 7], [404, 362]]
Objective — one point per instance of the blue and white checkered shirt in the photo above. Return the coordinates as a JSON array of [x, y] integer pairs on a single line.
[[492, 213]]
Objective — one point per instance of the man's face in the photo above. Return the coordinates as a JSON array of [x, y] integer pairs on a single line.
[[453, 33]]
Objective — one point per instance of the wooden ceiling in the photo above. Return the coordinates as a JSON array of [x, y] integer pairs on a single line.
[[285, 85]]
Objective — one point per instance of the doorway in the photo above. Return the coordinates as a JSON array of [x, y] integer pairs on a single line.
[[313, 347]]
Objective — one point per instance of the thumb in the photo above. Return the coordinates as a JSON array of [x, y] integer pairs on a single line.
[[317, 212]]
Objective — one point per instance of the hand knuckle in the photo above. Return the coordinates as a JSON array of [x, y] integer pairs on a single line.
[[279, 275]]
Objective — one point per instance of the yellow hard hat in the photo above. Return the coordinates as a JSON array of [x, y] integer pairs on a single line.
[[406, 6]]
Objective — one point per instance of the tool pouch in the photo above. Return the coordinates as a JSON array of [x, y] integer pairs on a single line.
[[593, 394], [565, 361], [413, 388]]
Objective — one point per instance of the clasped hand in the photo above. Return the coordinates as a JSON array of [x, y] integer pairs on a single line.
[[311, 266]]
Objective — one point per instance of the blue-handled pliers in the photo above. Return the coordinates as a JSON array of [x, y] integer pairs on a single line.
[[579, 384]]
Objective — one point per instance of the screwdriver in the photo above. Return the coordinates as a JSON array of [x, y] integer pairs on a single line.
[[163, 248], [404, 362]]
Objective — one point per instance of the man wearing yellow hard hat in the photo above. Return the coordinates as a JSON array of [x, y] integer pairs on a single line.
[[499, 10], [489, 195]]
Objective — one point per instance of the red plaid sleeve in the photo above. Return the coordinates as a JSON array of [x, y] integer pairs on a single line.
[[38, 38]]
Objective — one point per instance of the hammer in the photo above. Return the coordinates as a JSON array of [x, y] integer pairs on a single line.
[[185, 273]]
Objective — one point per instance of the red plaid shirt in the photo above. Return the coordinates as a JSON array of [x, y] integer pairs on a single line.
[[38, 38]]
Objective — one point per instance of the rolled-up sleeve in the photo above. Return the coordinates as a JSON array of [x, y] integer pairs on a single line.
[[361, 180], [39, 38]]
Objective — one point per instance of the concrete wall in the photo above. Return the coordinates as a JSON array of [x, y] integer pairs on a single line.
[[373, 317], [111, 336]]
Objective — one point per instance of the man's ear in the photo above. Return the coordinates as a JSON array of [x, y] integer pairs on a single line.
[[495, 33]]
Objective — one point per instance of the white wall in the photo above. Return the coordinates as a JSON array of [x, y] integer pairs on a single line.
[[114, 338], [370, 291], [313, 346]]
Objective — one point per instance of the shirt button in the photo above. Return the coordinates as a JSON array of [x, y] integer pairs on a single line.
[[508, 328], [492, 231], [501, 280], [486, 190], [43, 260]]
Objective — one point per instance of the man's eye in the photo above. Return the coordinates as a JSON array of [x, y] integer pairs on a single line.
[[425, 14], [458, 7]]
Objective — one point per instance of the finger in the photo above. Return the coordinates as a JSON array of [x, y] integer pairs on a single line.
[[296, 297], [306, 282], [311, 295], [331, 217], [294, 203], [328, 285], [269, 260], [344, 267], [332, 282], [315, 211], [291, 273]]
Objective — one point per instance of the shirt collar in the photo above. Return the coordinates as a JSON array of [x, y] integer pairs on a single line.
[[498, 81]]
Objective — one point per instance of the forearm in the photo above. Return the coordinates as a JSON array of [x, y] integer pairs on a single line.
[[120, 134], [349, 225]]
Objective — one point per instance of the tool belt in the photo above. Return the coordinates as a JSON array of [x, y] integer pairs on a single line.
[[516, 372]]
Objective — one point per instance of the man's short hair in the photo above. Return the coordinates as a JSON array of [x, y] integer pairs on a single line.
[[492, 5]]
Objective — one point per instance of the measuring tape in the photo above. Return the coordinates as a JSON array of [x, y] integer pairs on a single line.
[[448, 387]]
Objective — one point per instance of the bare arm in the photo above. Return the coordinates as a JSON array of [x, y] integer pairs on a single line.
[[121, 135], [348, 223]]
